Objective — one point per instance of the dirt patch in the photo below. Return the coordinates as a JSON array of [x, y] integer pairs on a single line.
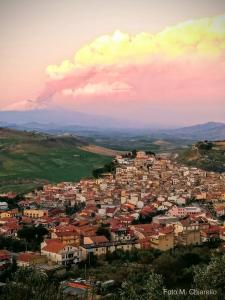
[[161, 143], [101, 150]]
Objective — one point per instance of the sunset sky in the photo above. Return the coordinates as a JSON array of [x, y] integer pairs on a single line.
[[150, 61]]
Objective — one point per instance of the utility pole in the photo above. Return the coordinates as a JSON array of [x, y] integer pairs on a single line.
[[85, 271]]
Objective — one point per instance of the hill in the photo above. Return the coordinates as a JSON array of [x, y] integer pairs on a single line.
[[206, 155], [27, 158]]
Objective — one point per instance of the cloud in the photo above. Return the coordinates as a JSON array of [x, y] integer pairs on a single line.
[[25, 105], [98, 89], [198, 37], [180, 63]]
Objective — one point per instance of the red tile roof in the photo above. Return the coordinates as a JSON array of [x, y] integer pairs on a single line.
[[27, 256], [4, 254], [53, 246], [99, 239]]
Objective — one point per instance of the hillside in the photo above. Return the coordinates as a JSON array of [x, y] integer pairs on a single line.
[[211, 131], [206, 155], [26, 157]]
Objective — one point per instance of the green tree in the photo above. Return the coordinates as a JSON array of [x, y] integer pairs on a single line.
[[150, 288], [33, 235], [103, 230], [12, 244], [30, 284], [211, 276]]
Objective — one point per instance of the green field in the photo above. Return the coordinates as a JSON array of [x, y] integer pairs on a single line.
[[32, 156]]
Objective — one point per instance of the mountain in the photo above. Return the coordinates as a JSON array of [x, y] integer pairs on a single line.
[[60, 121], [207, 131], [61, 117]]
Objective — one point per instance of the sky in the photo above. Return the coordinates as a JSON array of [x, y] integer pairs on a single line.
[[152, 62]]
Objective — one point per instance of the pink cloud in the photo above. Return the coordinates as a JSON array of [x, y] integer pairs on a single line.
[[160, 82], [153, 82]]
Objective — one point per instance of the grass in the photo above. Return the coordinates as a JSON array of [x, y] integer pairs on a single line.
[[39, 157], [19, 188]]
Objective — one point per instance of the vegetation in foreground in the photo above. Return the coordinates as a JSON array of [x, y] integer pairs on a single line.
[[140, 274]]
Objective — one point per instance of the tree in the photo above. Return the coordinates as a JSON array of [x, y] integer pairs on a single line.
[[211, 276], [12, 244], [134, 153], [29, 283], [103, 230], [33, 235], [151, 288], [154, 287]]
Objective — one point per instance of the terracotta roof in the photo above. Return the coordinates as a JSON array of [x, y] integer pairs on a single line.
[[110, 210], [53, 246], [4, 254], [9, 219], [99, 239], [65, 233], [27, 256], [78, 285], [64, 228], [167, 229]]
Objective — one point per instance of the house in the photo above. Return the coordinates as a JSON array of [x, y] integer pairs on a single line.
[[211, 234], [179, 211], [164, 239], [99, 245], [121, 233], [95, 245], [163, 220], [35, 213], [10, 229], [186, 238], [76, 290], [59, 253], [155, 236], [187, 232], [66, 237], [27, 259], [4, 214], [4, 206], [111, 211], [220, 211]]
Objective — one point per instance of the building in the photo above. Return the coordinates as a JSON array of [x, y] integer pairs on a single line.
[[27, 259], [100, 246], [59, 253], [35, 213], [66, 237], [4, 206], [164, 239]]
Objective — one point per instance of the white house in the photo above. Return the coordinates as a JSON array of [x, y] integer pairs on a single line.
[[59, 253], [4, 206]]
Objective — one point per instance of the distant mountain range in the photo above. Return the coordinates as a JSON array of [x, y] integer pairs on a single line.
[[208, 131], [49, 118], [61, 121]]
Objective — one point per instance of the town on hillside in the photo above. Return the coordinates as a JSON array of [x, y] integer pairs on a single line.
[[147, 202]]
